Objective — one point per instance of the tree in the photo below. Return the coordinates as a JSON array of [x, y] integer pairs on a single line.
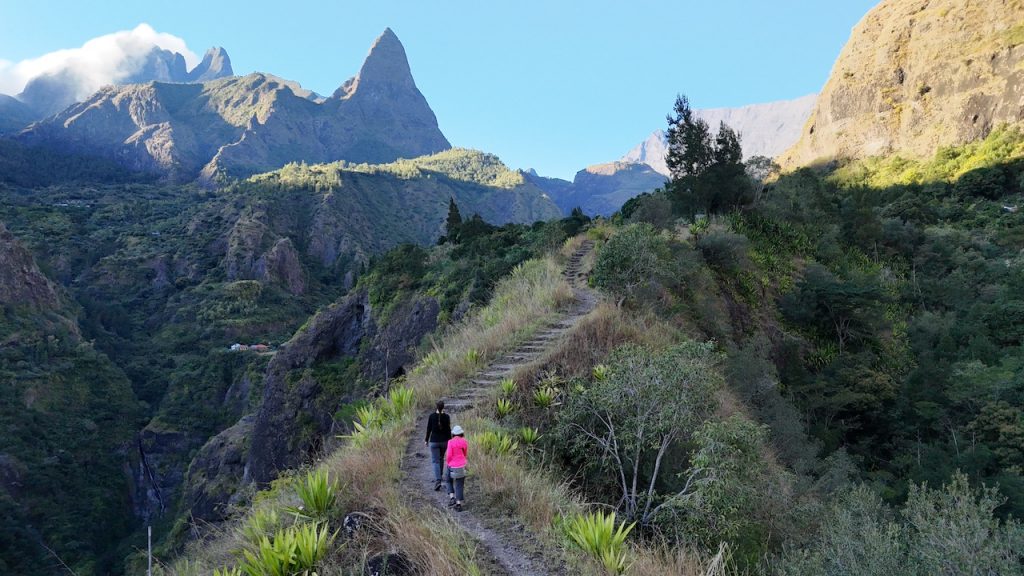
[[690, 154], [650, 401], [453, 222], [707, 174], [760, 169]]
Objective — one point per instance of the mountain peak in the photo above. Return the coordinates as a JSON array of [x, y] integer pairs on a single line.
[[215, 64], [385, 65]]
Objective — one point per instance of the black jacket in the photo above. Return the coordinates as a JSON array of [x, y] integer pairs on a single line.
[[439, 427]]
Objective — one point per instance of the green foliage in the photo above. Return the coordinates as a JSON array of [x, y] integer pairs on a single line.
[[318, 495], [597, 534], [529, 436], [631, 259], [498, 443], [948, 531], [708, 175], [544, 397], [624, 425], [261, 523], [507, 387], [294, 551], [504, 407], [600, 372]]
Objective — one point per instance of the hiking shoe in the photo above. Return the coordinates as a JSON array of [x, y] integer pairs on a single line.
[[437, 486], [451, 501], [458, 507]]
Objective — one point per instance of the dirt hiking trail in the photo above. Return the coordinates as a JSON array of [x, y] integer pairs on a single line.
[[506, 546]]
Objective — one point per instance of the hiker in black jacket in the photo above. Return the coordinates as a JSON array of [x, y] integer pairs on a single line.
[[439, 432]]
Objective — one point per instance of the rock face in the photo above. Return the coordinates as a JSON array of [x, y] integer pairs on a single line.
[[290, 419], [296, 411], [393, 348], [50, 93], [215, 64], [243, 125], [217, 471], [21, 282], [917, 75]]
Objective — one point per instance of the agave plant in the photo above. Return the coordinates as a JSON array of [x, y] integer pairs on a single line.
[[504, 407], [601, 372], [508, 387], [318, 495], [260, 524], [401, 402], [293, 551], [598, 536], [497, 443], [529, 436], [545, 396]]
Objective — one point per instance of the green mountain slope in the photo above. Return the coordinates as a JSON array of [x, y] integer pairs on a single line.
[[69, 417], [168, 277]]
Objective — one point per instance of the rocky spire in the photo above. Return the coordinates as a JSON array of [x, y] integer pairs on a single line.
[[386, 65], [215, 64]]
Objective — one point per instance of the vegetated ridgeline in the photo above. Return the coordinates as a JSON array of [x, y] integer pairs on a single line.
[[502, 541]]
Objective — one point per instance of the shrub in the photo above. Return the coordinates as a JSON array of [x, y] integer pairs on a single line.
[[598, 536], [631, 259], [600, 372]]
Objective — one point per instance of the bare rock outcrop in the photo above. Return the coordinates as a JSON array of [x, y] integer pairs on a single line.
[[917, 75]]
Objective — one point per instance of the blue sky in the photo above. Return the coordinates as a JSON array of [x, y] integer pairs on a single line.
[[553, 85]]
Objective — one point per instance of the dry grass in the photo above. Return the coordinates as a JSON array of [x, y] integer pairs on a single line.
[[590, 341], [661, 561], [531, 295]]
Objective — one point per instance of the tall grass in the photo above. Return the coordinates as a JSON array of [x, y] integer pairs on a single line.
[[531, 294]]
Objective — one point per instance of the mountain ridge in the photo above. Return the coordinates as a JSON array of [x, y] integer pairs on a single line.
[[238, 126]]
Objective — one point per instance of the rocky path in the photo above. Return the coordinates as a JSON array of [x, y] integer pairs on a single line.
[[507, 547]]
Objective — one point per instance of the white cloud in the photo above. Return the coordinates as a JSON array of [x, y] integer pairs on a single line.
[[103, 60]]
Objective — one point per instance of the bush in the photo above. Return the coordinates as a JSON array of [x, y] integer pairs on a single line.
[[635, 257]]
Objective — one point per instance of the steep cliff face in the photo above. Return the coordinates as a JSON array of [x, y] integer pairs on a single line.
[[291, 418], [21, 282], [917, 75], [240, 126]]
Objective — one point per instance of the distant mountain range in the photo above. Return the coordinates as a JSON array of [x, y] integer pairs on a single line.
[[50, 93], [765, 130], [238, 126]]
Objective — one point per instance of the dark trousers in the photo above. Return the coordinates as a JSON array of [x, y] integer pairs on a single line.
[[437, 450], [457, 486]]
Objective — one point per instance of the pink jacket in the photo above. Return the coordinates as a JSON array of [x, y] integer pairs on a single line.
[[455, 456]]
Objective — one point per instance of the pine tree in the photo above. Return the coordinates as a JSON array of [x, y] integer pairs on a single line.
[[690, 155], [454, 221]]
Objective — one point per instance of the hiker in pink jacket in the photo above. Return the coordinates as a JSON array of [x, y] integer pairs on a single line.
[[455, 458]]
